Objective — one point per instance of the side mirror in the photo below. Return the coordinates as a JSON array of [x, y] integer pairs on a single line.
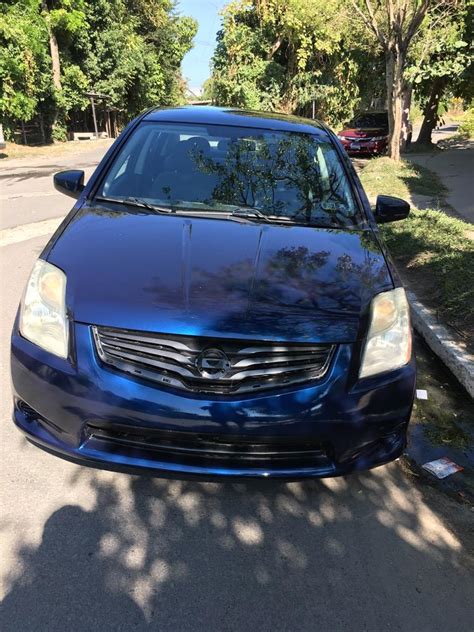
[[390, 209], [69, 182]]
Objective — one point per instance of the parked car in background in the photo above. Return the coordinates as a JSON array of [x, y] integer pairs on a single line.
[[367, 134], [218, 301], [2, 139]]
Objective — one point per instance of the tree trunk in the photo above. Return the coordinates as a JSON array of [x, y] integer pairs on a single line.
[[55, 63], [430, 113], [288, 100], [406, 104], [54, 50], [394, 61], [42, 131]]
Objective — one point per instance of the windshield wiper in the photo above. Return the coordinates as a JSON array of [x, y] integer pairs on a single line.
[[137, 202], [249, 213]]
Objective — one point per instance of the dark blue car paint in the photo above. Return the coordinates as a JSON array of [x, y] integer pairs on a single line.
[[348, 417], [209, 277], [202, 276]]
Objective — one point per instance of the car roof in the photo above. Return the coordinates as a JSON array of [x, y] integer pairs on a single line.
[[211, 115]]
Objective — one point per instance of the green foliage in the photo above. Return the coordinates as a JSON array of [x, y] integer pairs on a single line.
[[66, 17], [440, 64], [74, 83], [466, 129], [25, 76], [133, 51], [281, 55], [130, 50], [440, 53]]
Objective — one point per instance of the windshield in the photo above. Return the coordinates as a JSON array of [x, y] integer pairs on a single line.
[[379, 119], [292, 176]]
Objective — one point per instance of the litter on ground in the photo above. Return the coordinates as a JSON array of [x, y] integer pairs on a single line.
[[441, 468]]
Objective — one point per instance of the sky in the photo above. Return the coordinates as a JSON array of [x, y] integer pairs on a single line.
[[196, 63]]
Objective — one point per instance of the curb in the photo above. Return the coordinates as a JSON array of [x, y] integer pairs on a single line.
[[443, 343]]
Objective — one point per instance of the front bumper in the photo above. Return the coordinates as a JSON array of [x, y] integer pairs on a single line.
[[98, 416]]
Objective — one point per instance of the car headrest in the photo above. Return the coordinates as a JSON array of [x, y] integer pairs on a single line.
[[197, 143], [223, 144]]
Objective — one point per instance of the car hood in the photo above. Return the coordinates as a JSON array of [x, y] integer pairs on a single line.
[[366, 132], [212, 277]]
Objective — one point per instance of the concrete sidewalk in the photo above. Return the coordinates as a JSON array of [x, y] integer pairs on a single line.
[[455, 167]]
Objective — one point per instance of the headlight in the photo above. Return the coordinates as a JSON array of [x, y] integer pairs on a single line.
[[341, 137], [43, 309], [388, 344], [379, 138]]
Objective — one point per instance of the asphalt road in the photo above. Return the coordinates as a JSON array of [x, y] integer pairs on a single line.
[[89, 550], [27, 193]]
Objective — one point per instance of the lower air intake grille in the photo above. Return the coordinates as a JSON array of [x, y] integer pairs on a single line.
[[211, 449], [211, 365]]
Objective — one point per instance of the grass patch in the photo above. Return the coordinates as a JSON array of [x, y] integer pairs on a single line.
[[402, 179], [438, 256]]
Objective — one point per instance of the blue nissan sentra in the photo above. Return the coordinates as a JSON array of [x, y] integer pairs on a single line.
[[219, 301]]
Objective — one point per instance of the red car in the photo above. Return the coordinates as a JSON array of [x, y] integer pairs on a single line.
[[367, 133]]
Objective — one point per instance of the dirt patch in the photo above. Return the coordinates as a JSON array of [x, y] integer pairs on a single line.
[[14, 152], [442, 425]]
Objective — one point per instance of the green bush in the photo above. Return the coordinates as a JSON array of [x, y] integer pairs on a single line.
[[466, 129]]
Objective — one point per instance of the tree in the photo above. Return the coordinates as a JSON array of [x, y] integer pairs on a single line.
[[394, 24], [53, 51], [25, 76], [133, 51], [443, 62], [283, 55], [63, 19]]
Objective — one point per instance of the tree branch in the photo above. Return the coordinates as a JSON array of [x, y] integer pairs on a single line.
[[275, 46], [415, 22], [370, 21], [390, 16], [374, 25]]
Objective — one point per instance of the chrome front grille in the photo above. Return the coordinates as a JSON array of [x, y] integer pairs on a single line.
[[211, 365]]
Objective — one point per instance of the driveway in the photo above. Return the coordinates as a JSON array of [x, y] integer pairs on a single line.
[[85, 550]]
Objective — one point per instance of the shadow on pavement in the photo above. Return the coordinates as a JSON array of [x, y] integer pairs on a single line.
[[365, 552]]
